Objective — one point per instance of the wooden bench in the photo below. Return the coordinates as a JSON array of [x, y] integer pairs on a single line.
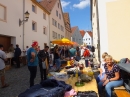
[[121, 92]]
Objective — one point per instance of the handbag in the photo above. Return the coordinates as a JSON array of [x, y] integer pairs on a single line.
[[44, 65]]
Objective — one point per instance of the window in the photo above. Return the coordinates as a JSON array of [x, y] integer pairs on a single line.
[[53, 21], [89, 38], [86, 38], [58, 26], [2, 13], [34, 8], [58, 36], [44, 30], [56, 13], [63, 29], [34, 25], [44, 16], [93, 15], [59, 16], [53, 34], [58, 5]]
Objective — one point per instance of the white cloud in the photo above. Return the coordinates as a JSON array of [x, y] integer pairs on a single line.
[[64, 3], [82, 4]]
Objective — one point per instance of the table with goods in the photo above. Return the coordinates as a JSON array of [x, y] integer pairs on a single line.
[[79, 77]]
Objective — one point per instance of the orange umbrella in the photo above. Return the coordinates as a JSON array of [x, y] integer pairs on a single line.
[[75, 43]]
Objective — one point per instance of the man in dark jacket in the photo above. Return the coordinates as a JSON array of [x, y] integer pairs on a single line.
[[42, 56], [17, 54]]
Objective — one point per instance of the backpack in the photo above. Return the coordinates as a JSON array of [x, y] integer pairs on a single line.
[[86, 53]]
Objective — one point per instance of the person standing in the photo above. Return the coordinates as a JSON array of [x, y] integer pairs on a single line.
[[43, 55], [72, 51], [32, 62], [78, 54], [17, 54], [57, 58], [2, 67]]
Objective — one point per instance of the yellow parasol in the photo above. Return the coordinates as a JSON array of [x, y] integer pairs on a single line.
[[63, 41]]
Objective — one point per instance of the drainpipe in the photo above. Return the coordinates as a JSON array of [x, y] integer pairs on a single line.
[[98, 31], [23, 22], [49, 31]]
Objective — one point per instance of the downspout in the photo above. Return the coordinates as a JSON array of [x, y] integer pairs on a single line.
[[23, 22], [49, 31], [98, 31]]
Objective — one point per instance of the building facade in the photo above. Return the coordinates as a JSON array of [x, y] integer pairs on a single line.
[[87, 38], [113, 20], [35, 29], [67, 26], [76, 36], [56, 22]]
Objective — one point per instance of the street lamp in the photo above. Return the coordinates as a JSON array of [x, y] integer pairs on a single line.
[[26, 14]]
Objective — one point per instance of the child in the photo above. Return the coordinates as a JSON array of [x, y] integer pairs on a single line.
[[101, 69]]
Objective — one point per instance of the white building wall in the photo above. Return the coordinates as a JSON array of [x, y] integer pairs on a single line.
[[87, 39], [37, 17], [11, 26], [103, 26]]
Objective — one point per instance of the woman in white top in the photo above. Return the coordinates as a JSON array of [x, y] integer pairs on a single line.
[[101, 69]]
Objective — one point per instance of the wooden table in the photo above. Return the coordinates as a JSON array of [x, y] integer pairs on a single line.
[[90, 86]]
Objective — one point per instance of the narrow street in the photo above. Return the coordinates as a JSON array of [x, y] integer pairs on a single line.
[[18, 79]]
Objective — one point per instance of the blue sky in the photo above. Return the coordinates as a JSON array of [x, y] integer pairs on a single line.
[[79, 12]]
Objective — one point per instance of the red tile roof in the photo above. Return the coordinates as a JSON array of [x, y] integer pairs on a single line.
[[73, 29], [48, 4], [82, 32], [67, 22], [90, 33]]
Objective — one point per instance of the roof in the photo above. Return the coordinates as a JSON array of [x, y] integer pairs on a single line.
[[82, 32], [73, 29], [67, 21], [48, 4], [90, 33]]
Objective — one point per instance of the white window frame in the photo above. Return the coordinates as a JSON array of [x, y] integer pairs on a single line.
[[5, 13], [53, 21], [44, 30], [35, 10], [56, 13], [59, 16], [35, 26], [44, 16], [53, 34]]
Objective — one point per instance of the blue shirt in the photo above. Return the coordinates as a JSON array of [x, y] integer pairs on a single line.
[[72, 52], [35, 62]]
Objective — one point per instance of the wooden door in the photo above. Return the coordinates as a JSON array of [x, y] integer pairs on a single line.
[[5, 41]]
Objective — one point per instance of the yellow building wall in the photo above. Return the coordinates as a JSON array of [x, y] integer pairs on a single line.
[[118, 23]]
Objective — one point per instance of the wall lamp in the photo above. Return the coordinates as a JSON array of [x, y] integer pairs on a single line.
[[26, 14]]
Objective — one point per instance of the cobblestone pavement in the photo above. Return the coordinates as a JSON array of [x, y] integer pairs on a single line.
[[18, 79]]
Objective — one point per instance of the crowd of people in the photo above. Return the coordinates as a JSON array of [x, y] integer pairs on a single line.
[[48, 58], [45, 58], [108, 78]]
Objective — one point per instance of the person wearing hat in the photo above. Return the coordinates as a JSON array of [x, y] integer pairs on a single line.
[[32, 62]]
